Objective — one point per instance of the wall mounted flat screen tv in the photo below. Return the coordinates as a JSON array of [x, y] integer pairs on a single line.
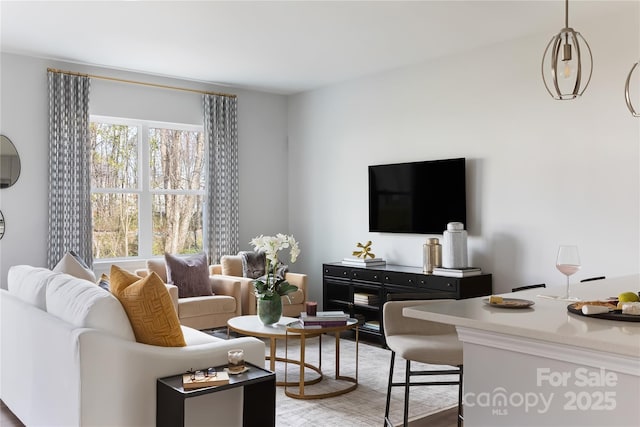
[[417, 197]]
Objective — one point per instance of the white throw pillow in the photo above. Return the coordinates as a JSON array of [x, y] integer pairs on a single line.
[[72, 264]]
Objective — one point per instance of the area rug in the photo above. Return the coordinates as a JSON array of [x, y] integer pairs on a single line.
[[363, 406]]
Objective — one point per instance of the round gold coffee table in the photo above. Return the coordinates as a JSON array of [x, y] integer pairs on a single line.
[[298, 331], [251, 326]]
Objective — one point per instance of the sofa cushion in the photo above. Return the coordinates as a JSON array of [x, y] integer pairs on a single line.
[[147, 303], [231, 265], [196, 337], [83, 304], [30, 284], [190, 274], [72, 264]]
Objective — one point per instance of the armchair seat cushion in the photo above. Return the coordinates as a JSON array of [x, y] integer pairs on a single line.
[[204, 306]]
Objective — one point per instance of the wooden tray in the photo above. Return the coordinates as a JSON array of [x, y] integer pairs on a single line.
[[612, 315]]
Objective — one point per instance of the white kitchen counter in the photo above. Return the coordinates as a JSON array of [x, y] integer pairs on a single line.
[[544, 366], [548, 320]]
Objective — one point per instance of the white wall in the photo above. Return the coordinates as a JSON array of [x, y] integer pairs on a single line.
[[540, 172], [24, 119]]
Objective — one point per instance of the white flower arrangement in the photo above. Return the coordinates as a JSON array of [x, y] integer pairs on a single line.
[[273, 286]]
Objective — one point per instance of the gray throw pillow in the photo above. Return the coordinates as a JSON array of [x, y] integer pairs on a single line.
[[253, 264], [190, 274]]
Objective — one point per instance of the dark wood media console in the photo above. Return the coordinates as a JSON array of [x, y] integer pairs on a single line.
[[340, 282]]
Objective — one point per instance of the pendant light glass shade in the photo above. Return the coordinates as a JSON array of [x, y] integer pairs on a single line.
[[567, 63], [627, 91]]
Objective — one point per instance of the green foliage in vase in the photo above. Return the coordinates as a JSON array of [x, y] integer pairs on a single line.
[[273, 286]]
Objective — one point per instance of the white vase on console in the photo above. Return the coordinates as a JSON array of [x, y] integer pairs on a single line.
[[454, 246]]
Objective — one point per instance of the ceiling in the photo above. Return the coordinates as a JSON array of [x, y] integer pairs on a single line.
[[276, 46]]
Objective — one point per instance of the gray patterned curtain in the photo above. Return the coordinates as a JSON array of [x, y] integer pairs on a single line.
[[222, 207], [69, 161]]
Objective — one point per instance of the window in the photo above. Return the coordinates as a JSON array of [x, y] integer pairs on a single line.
[[147, 188]]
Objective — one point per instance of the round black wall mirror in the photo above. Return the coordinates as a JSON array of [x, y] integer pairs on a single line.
[[9, 163], [1, 225]]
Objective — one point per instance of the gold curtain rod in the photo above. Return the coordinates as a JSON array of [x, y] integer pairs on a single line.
[[161, 86]]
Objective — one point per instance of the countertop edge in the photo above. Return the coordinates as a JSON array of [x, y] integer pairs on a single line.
[[421, 312]]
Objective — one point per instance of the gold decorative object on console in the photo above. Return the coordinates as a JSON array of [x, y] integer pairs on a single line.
[[365, 252]]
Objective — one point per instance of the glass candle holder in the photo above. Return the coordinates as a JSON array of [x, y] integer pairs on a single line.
[[312, 308], [236, 361]]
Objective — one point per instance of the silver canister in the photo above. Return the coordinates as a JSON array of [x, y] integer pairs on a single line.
[[431, 255]]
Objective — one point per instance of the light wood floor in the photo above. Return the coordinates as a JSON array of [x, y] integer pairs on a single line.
[[448, 418], [441, 419]]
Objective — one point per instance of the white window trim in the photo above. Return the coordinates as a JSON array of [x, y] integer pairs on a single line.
[[145, 237]]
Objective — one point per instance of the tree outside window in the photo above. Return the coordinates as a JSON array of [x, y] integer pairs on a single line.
[[147, 187]]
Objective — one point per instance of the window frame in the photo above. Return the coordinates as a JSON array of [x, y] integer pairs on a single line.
[[144, 191]]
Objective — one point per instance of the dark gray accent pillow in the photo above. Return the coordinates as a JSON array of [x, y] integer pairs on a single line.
[[253, 264], [190, 274]]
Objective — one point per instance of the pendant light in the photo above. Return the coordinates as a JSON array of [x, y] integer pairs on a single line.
[[627, 94], [567, 63]]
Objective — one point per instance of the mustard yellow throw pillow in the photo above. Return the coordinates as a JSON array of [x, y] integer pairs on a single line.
[[149, 308]]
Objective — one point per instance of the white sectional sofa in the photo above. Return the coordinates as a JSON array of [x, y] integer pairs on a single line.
[[69, 357]]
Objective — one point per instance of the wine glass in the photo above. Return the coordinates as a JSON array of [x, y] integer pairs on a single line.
[[568, 262]]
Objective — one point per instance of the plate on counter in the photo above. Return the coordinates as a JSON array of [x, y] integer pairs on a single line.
[[510, 303], [611, 315]]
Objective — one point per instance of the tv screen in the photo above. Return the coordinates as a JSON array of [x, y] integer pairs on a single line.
[[417, 197]]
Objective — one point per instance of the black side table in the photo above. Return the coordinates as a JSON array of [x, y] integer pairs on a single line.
[[259, 402]]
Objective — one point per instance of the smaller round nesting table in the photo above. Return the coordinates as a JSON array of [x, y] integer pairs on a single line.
[[251, 326], [290, 328]]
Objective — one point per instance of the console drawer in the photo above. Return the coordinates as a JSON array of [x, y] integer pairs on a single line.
[[363, 275], [337, 272], [402, 279], [440, 283]]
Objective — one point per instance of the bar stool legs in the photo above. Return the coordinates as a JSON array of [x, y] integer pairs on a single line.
[[407, 383]]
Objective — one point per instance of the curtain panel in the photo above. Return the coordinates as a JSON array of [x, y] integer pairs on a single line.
[[222, 204], [69, 168]]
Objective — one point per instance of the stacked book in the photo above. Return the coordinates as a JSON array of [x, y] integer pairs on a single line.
[[362, 298], [324, 319], [372, 324], [361, 262], [457, 272]]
